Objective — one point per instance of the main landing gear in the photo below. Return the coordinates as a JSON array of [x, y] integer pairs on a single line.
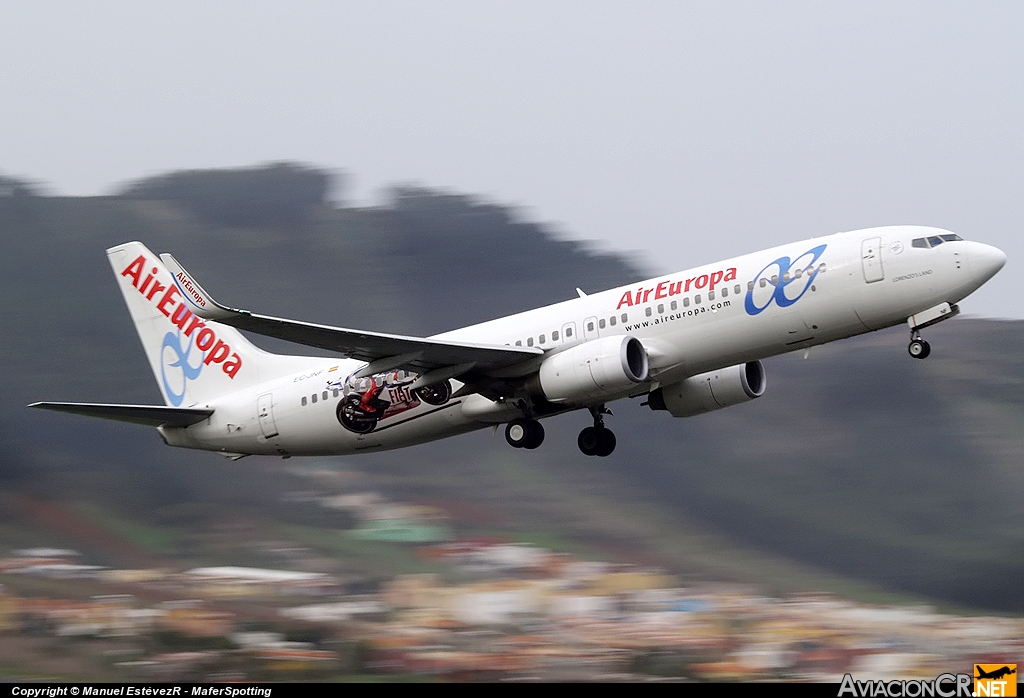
[[597, 440], [918, 348], [524, 433]]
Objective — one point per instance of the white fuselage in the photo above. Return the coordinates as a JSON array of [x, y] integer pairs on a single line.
[[722, 314]]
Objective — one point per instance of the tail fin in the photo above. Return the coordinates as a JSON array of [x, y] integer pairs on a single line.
[[194, 360]]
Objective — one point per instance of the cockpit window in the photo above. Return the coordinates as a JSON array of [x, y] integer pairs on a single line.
[[952, 237], [935, 240], [920, 242]]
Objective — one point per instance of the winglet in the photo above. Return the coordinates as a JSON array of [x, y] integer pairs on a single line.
[[195, 296]]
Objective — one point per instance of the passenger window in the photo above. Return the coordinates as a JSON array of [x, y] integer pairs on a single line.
[[625, 318], [686, 302], [590, 327], [541, 340], [775, 279], [821, 268], [935, 240], [786, 277], [568, 332], [674, 305], [611, 321], [313, 398], [919, 242], [335, 391], [764, 282], [600, 324], [529, 341], [303, 402], [519, 342], [738, 290], [661, 308], [799, 273], [696, 299], [725, 291], [647, 311], [554, 336], [750, 286], [711, 295]]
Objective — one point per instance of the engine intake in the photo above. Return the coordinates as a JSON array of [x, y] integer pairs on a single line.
[[594, 369], [710, 391]]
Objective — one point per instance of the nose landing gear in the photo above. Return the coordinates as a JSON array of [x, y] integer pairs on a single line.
[[597, 440], [918, 348]]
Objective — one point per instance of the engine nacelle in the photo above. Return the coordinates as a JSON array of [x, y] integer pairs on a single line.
[[710, 391], [594, 369]]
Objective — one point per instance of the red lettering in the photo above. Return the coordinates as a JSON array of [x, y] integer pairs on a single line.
[[204, 340], [232, 365], [688, 282], [167, 300], [145, 284], [647, 293], [715, 278], [196, 322], [218, 353], [134, 270], [157, 288], [730, 274], [626, 300], [701, 282], [660, 291], [180, 318], [676, 288]]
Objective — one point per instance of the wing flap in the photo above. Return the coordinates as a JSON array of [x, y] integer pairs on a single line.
[[148, 415], [423, 354]]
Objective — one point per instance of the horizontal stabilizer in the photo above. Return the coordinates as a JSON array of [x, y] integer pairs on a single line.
[[149, 415]]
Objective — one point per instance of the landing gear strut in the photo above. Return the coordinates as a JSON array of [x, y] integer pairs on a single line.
[[597, 440], [918, 348], [524, 433]]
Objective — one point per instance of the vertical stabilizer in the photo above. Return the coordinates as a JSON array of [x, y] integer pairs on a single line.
[[194, 360]]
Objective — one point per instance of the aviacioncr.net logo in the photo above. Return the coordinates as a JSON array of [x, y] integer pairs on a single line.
[[792, 279], [175, 368]]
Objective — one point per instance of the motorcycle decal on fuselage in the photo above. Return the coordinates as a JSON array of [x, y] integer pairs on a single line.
[[368, 401]]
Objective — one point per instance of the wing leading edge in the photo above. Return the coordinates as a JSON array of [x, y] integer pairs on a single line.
[[393, 351]]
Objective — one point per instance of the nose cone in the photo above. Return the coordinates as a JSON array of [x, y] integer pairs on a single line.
[[986, 261]]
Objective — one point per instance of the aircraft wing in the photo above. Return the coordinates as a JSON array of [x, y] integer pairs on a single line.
[[149, 415], [382, 351]]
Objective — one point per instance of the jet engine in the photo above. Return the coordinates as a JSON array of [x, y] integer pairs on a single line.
[[710, 391], [593, 369]]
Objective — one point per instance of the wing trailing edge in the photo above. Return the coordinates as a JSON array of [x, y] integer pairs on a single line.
[[395, 351]]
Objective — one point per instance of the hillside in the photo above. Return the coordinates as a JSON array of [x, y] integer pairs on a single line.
[[860, 469]]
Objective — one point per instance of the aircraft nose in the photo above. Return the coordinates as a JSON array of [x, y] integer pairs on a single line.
[[986, 260]]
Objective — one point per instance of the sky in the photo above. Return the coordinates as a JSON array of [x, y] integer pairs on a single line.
[[680, 132]]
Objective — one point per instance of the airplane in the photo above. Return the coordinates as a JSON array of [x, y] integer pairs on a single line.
[[690, 343]]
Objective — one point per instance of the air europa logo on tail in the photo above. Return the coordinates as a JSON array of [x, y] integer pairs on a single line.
[[216, 351]]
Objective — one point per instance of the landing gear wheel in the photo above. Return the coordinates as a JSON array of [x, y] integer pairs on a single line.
[[919, 349], [596, 441], [605, 442], [353, 418], [435, 394], [524, 433]]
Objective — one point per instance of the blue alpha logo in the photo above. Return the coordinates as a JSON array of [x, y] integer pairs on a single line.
[[787, 280], [177, 373]]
